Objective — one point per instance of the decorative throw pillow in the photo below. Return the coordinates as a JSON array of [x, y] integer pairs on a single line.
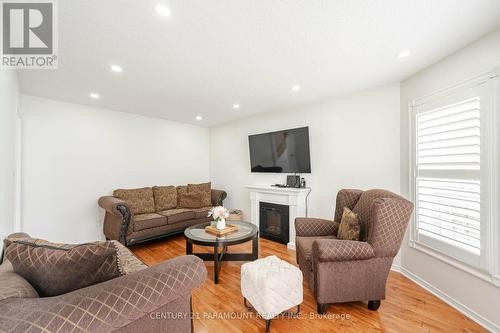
[[181, 189], [350, 226], [140, 200], [127, 261], [199, 187], [165, 197], [55, 269], [191, 200], [205, 189]]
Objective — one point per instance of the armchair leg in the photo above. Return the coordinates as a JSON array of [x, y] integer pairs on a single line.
[[268, 324], [373, 305], [322, 308]]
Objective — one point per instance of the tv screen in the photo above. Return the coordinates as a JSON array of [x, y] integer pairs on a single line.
[[281, 152]]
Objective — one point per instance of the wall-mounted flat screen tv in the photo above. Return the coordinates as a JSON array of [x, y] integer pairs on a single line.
[[281, 152]]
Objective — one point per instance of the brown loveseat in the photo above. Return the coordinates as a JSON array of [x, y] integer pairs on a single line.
[[345, 270], [145, 299], [138, 215]]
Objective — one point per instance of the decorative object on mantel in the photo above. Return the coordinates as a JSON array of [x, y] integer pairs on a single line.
[[229, 229], [219, 214], [235, 215]]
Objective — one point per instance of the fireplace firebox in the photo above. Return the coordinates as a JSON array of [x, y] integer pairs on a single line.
[[274, 222]]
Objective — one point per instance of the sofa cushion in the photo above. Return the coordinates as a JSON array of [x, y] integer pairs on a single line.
[[202, 212], [304, 247], [203, 187], [206, 192], [178, 215], [181, 189], [165, 197], [54, 269], [140, 200], [150, 220], [13, 285], [350, 226], [191, 200], [137, 236]]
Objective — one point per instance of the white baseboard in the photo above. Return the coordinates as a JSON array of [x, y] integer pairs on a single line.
[[396, 268], [448, 299]]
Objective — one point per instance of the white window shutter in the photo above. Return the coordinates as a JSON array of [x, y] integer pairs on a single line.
[[448, 163]]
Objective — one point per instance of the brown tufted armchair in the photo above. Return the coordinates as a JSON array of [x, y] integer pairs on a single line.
[[347, 271]]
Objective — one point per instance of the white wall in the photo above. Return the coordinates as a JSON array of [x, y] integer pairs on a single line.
[[9, 93], [354, 143], [73, 154], [474, 294]]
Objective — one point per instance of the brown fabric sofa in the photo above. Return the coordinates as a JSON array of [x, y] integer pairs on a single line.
[[139, 301], [346, 271], [143, 217]]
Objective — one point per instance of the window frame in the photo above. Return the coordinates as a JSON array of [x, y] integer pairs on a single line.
[[487, 265]]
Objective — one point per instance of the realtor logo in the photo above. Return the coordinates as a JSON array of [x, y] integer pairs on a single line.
[[29, 36]]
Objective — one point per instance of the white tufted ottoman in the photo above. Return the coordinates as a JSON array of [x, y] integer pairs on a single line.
[[272, 286]]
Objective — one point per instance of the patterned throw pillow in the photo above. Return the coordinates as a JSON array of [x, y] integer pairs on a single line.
[[165, 197], [350, 226], [127, 261], [140, 200], [206, 191], [181, 190], [55, 269], [191, 200]]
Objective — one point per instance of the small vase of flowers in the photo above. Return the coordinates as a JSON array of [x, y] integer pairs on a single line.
[[219, 214]]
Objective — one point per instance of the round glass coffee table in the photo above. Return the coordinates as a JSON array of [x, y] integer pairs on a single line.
[[196, 234]]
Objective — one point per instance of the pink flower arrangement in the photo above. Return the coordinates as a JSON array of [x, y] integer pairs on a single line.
[[219, 213]]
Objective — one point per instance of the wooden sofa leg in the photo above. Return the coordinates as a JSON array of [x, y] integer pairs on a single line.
[[322, 308], [373, 305]]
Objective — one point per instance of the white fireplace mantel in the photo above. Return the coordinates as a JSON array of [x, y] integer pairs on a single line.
[[294, 198]]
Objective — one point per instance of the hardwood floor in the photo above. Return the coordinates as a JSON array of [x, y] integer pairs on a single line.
[[220, 308]]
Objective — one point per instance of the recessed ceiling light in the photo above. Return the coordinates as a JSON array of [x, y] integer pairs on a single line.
[[162, 10], [116, 68], [296, 87], [198, 117], [236, 106], [404, 54], [94, 95]]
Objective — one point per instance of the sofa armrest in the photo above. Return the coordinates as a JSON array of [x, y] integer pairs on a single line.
[[345, 198], [218, 197], [341, 250], [106, 306], [121, 221], [9, 239], [112, 204], [308, 227]]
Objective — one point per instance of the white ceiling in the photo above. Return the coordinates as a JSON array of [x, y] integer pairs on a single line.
[[211, 54]]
